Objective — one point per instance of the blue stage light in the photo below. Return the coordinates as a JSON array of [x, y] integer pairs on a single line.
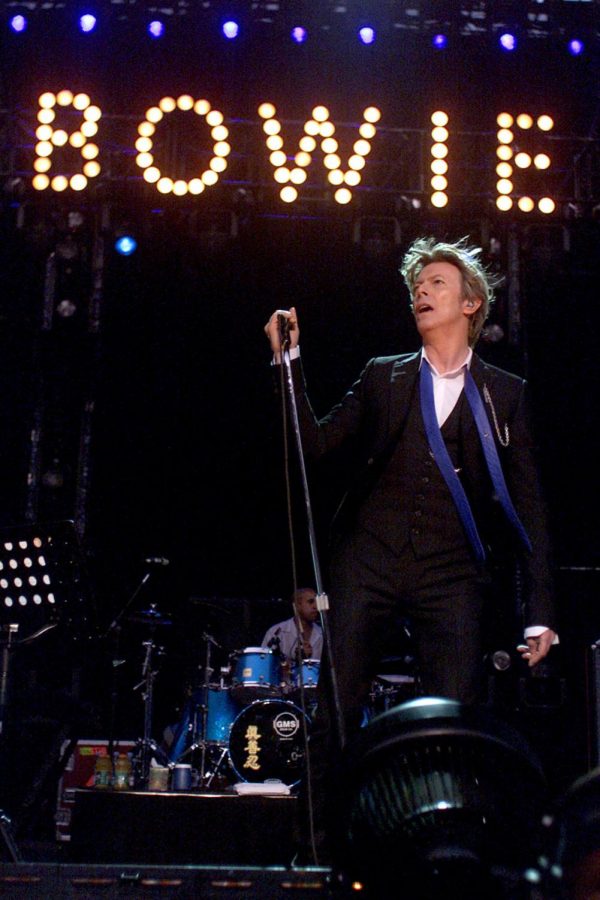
[[231, 29], [87, 22], [156, 28], [507, 41], [576, 47], [366, 34], [126, 245], [299, 34], [18, 23], [439, 41]]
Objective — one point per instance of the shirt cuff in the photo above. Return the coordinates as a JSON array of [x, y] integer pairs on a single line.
[[294, 354], [536, 630]]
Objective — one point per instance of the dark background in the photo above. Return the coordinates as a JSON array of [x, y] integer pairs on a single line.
[[186, 455]]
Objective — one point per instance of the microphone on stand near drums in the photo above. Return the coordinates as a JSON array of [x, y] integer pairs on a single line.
[[275, 643]]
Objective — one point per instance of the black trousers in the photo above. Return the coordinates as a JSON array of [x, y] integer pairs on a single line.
[[443, 597]]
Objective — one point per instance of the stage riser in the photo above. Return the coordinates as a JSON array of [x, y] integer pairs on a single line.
[[183, 829], [45, 881]]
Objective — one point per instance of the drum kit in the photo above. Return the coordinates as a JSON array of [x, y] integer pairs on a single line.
[[248, 724]]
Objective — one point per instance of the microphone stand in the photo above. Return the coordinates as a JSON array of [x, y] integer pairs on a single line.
[[322, 598], [208, 640], [115, 629]]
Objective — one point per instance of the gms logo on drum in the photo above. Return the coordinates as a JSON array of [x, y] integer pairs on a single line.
[[286, 724]]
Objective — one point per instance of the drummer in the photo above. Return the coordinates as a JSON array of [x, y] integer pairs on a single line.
[[300, 633]]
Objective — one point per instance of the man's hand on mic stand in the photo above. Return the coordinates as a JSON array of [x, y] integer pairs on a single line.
[[283, 331]]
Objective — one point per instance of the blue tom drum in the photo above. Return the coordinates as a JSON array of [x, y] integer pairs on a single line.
[[222, 709], [256, 674], [307, 674]]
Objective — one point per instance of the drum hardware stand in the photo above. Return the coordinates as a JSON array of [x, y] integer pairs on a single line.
[[216, 767], [148, 747], [7, 835], [202, 743], [198, 725], [116, 662]]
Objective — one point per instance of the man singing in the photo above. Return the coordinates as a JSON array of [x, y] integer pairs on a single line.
[[445, 492]]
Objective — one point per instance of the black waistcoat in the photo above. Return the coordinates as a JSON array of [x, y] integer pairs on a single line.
[[411, 501]]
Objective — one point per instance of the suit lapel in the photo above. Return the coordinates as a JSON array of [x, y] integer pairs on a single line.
[[402, 381], [482, 375]]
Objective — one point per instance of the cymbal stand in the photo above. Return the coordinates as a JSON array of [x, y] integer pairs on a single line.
[[209, 641], [216, 766], [147, 745]]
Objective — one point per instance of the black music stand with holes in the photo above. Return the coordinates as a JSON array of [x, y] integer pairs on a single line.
[[43, 583]]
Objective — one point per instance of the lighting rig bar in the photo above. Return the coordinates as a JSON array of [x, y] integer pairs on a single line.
[[534, 18]]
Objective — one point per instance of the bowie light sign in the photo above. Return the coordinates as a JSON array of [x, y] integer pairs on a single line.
[[344, 168]]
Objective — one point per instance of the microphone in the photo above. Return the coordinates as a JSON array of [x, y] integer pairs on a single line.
[[275, 641], [156, 561], [210, 639], [284, 329]]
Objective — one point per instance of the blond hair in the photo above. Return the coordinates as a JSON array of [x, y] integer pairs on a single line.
[[478, 282]]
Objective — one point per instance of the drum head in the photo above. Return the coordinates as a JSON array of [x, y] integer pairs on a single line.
[[267, 742]]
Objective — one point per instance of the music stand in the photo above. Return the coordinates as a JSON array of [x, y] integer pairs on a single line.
[[42, 584], [42, 577]]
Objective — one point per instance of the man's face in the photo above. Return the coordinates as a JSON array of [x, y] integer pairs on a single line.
[[306, 605], [439, 304]]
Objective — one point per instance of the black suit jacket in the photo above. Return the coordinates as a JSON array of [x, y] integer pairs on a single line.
[[373, 413]]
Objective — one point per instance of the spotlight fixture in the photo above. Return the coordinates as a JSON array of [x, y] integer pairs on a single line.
[[439, 41], [575, 47], [366, 34], [429, 795], [507, 41], [299, 34], [18, 23], [87, 22], [231, 29], [125, 245], [156, 28], [573, 833]]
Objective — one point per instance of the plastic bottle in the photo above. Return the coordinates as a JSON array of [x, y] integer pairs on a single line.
[[103, 772], [122, 772]]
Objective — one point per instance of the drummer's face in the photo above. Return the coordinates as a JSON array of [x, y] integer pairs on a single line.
[[306, 604]]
